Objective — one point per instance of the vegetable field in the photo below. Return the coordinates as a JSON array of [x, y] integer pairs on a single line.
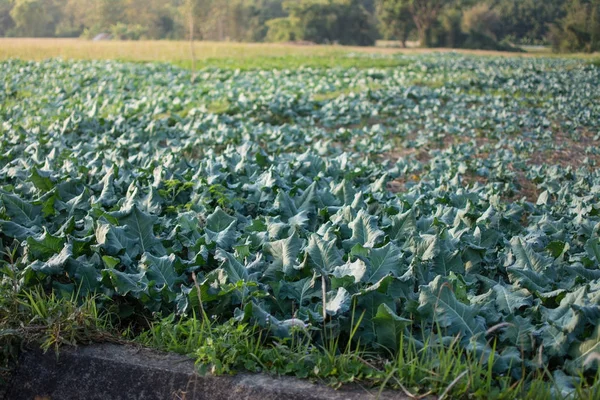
[[452, 197]]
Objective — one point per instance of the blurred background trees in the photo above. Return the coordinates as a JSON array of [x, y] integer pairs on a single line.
[[566, 25]]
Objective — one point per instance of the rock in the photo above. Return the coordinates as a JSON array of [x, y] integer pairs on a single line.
[[107, 371]]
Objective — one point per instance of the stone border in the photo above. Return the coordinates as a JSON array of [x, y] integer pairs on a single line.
[[108, 371]]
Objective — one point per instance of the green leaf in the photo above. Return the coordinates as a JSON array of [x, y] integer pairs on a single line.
[[219, 220], [264, 319], [21, 212], [581, 351], [437, 301], [403, 225], [527, 259], [110, 262], [221, 229], [41, 180], [531, 270], [557, 248], [85, 274], [592, 247], [161, 270], [55, 265], [306, 201], [385, 261], [139, 226], [17, 231], [125, 283], [338, 304], [44, 246], [115, 240], [356, 270], [519, 332], [364, 231], [388, 327], [566, 316], [509, 299], [300, 291], [107, 197], [323, 255], [236, 272], [285, 253]]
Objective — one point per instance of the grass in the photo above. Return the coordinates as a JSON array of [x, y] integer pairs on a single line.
[[418, 367], [333, 60], [50, 322], [46, 318], [227, 54], [348, 91]]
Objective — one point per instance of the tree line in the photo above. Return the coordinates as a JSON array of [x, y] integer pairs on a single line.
[[567, 25]]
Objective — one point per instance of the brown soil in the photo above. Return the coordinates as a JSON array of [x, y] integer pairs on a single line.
[[572, 152]]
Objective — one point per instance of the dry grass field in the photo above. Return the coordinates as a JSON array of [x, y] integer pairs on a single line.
[[179, 51]]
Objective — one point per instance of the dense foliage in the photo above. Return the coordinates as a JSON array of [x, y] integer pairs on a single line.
[[579, 30], [345, 22], [455, 196], [569, 25]]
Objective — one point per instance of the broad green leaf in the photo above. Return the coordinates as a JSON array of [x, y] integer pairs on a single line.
[[161, 270], [356, 270], [44, 246], [85, 273], [21, 212], [323, 255], [384, 261], [285, 253], [125, 283], [582, 352], [510, 299], [527, 259], [364, 231], [300, 291], [139, 226], [55, 265], [219, 221], [221, 229], [236, 272], [338, 303], [531, 270], [403, 225], [107, 197], [41, 180], [592, 247], [437, 301], [388, 327], [115, 240], [17, 231]]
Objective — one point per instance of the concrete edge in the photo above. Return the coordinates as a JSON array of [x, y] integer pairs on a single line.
[[108, 371]]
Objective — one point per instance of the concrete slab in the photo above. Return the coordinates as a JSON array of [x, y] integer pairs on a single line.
[[107, 371]]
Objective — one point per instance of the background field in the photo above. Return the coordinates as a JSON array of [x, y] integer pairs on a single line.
[[228, 54]]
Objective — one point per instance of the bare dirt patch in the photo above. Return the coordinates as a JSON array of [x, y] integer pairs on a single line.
[[571, 151]]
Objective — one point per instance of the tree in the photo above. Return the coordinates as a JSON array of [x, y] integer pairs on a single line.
[[481, 19], [153, 16], [325, 21], [579, 30], [527, 21], [395, 19], [31, 18], [425, 14], [110, 12], [595, 26], [6, 21]]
